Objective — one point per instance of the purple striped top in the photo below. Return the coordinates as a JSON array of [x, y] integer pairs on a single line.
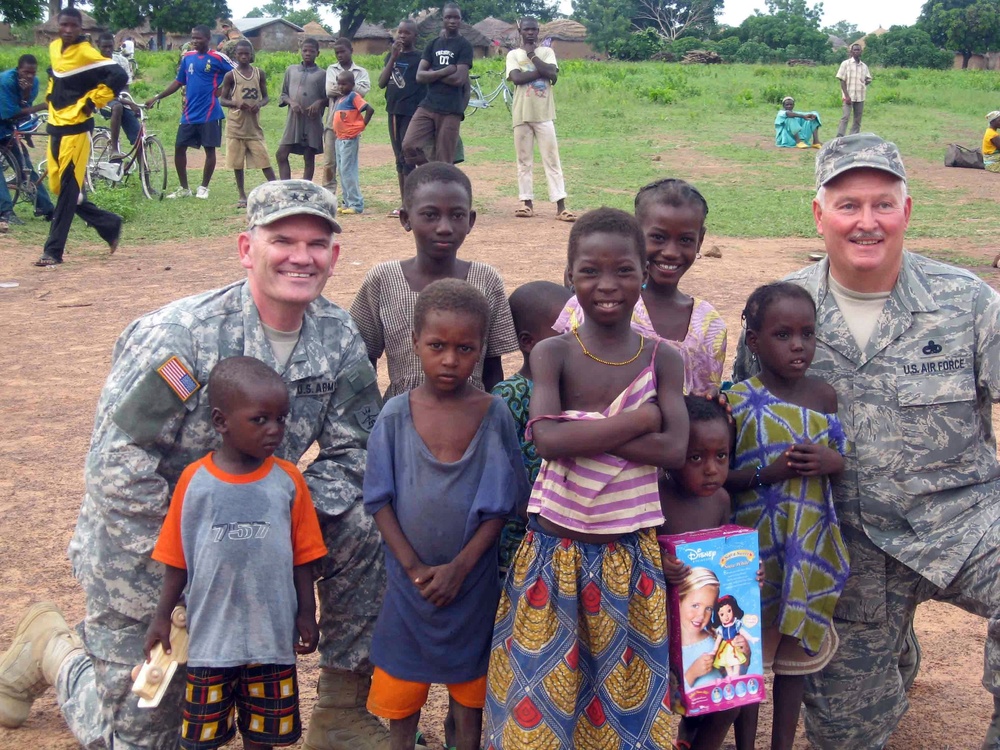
[[600, 494]]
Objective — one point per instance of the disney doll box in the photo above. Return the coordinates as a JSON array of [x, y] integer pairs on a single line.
[[718, 602]]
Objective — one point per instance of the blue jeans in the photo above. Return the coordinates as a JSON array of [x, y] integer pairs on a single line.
[[43, 203], [347, 168], [130, 122]]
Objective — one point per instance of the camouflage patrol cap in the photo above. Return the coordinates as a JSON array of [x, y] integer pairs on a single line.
[[276, 200], [862, 150]]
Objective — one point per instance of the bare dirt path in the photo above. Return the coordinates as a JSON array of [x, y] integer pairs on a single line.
[[55, 345]]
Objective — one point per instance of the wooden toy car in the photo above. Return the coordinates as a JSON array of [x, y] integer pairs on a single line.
[[152, 677]]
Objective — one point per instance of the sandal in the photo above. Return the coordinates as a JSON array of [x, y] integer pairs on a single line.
[[524, 213], [394, 213], [241, 203], [566, 216], [45, 261]]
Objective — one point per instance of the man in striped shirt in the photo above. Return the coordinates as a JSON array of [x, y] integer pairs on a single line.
[[854, 78]]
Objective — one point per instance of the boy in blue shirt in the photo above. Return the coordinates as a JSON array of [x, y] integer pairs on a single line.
[[18, 89], [201, 72]]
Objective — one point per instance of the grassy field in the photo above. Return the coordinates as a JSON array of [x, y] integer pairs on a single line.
[[623, 124]]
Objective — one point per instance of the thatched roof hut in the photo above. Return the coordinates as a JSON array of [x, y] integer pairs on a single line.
[[568, 38], [314, 30], [372, 39], [502, 34]]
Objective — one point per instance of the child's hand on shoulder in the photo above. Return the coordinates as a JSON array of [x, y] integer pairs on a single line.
[[440, 584], [308, 630], [673, 569], [814, 460], [158, 632]]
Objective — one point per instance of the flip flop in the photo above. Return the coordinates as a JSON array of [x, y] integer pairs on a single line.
[[566, 216], [241, 204], [524, 213], [45, 261], [393, 214]]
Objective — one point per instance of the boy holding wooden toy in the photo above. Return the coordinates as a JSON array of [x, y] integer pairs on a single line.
[[239, 540]]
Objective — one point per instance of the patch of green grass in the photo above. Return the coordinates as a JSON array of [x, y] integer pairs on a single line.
[[621, 125]]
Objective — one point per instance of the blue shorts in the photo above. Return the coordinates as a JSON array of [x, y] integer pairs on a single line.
[[264, 698], [200, 135]]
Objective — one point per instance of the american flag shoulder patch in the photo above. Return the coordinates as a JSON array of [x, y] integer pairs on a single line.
[[180, 380]]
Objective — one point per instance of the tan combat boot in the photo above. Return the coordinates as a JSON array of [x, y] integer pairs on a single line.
[[340, 720], [41, 643]]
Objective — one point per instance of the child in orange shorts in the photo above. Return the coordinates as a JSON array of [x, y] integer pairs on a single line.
[[444, 472]]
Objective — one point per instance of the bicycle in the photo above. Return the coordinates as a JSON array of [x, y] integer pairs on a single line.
[[16, 164], [478, 100], [146, 156]]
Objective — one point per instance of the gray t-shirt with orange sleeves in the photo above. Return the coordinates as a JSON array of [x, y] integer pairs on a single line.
[[239, 538]]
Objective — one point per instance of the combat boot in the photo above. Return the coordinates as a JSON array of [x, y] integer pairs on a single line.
[[42, 642], [340, 720]]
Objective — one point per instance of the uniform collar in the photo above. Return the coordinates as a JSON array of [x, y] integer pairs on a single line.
[[308, 359], [911, 294]]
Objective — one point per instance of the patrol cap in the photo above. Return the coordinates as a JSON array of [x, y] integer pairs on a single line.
[[861, 150], [279, 199]]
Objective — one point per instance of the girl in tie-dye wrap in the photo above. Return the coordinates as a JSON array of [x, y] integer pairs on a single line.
[[789, 443], [580, 655]]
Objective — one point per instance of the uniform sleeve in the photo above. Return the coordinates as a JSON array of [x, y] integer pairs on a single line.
[[502, 336], [366, 315], [335, 476], [307, 538], [139, 416], [380, 474], [169, 548], [362, 82], [987, 329], [10, 99]]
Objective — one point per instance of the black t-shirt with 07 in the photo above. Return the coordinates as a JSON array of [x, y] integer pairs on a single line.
[[440, 53]]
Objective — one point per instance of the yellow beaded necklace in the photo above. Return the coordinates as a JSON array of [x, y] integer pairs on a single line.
[[642, 343]]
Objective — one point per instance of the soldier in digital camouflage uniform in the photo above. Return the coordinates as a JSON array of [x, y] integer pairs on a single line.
[[919, 500], [152, 420]]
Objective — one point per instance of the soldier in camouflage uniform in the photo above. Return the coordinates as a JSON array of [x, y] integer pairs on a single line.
[[919, 500], [152, 420]]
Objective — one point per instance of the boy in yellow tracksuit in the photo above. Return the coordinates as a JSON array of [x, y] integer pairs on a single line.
[[81, 81]]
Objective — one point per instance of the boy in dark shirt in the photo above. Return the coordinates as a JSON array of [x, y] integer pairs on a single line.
[[445, 69], [402, 94]]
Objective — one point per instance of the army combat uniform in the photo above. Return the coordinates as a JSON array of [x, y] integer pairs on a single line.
[[919, 499], [152, 420]]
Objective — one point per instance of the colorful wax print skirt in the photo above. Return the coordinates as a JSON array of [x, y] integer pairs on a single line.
[[580, 653]]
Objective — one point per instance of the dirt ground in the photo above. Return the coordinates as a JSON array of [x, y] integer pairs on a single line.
[[54, 354]]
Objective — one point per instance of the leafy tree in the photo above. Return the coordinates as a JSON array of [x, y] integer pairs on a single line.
[[796, 8], [280, 9], [790, 35], [176, 16], [639, 45], [474, 11], [753, 52], [966, 30], [843, 30], [607, 21], [906, 47], [20, 11]]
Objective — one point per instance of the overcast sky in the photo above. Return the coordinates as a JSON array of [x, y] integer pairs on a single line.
[[864, 14]]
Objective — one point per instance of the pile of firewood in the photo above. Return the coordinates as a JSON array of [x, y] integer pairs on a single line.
[[808, 63], [701, 56]]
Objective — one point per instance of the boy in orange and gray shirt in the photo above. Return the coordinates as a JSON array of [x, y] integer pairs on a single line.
[[351, 116]]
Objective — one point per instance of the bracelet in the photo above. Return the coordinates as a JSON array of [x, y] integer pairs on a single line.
[[755, 481]]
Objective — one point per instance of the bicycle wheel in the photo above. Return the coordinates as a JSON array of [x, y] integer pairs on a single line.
[[508, 97], [154, 168], [100, 148], [11, 175]]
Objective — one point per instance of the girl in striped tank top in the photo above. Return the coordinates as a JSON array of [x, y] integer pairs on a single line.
[[579, 655]]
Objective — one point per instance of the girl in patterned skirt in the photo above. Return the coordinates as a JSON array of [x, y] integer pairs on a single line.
[[789, 443], [672, 214], [580, 654]]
